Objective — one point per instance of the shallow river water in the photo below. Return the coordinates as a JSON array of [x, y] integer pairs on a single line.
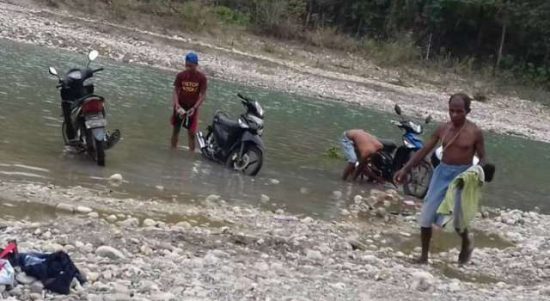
[[298, 133]]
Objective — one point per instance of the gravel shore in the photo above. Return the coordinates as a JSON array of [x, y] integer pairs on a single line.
[[210, 250], [59, 29]]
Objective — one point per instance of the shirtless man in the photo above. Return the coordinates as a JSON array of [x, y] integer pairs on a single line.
[[461, 140], [358, 143]]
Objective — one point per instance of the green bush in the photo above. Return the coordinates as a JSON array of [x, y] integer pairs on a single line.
[[229, 16]]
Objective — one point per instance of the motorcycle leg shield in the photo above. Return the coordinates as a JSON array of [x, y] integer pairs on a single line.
[[254, 139]]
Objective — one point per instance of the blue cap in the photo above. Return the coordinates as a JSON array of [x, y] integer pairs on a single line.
[[192, 58]]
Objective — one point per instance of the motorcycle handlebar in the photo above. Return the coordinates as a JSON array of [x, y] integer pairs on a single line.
[[395, 122], [244, 97], [97, 70]]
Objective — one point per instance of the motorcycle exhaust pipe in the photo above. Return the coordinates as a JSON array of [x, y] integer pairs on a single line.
[[200, 139]]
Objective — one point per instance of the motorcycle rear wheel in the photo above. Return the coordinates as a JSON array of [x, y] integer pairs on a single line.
[[99, 152], [419, 180], [250, 162], [95, 148]]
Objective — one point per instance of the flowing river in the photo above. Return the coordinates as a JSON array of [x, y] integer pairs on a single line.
[[297, 174]]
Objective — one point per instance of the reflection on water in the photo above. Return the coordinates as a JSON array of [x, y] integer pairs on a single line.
[[298, 134]]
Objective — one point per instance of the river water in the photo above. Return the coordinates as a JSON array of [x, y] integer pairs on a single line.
[[298, 133]]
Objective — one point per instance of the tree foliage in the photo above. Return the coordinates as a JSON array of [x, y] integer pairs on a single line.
[[451, 28]]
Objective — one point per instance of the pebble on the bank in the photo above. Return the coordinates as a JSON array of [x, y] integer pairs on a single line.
[[109, 252]]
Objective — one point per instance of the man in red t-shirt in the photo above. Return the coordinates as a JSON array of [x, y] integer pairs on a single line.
[[189, 93]]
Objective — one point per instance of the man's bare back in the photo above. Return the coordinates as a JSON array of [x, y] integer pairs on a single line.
[[365, 143]]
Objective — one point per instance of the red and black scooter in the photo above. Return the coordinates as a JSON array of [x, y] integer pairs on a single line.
[[84, 117]]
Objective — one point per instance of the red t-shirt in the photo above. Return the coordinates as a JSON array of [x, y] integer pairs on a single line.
[[189, 85]]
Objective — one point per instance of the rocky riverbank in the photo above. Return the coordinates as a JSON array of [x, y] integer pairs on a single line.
[[157, 250], [63, 30]]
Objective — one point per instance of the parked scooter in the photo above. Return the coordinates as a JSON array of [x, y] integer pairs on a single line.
[[84, 114], [393, 158], [236, 143]]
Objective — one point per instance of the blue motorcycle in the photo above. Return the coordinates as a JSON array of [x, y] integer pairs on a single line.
[[392, 158]]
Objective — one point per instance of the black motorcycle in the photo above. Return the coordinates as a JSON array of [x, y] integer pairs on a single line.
[[236, 143], [393, 158], [84, 118]]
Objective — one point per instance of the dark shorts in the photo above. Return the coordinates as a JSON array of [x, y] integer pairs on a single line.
[[190, 123]]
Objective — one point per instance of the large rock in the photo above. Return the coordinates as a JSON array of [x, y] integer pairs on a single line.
[[422, 281], [24, 278], [109, 252], [116, 178], [213, 198], [149, 223], [65, 207], [314, 255], [37, 287], [111, 218], [117, 297], [129, 222], [83, 210], [93, 297], [162, 297], [16, 291], [35, 296], [264, 198]]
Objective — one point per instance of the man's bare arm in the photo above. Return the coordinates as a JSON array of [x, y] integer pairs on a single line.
[[480, 148], [175, 99], [424, 151]]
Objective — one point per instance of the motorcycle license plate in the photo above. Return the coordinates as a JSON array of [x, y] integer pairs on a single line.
[[96, 123]]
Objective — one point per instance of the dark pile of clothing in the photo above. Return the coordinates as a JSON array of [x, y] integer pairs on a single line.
[[55, 270]]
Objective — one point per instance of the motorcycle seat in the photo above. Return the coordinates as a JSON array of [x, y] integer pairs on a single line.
[[388, 145], [226, 122]]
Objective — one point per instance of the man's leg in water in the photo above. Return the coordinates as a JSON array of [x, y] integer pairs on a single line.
[[191, 139], [175, 134], [176, 123]]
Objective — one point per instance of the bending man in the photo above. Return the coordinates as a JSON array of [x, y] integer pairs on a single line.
[[359, 147]]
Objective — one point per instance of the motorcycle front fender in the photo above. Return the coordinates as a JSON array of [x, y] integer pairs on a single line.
[[99, 134]]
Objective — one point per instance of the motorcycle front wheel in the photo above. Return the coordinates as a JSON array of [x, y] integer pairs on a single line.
[[419, 180], [249, 163]]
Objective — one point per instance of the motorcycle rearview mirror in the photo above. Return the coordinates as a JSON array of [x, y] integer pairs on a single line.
[[397, 109], [53, 71], [93, 55], [429, 119]]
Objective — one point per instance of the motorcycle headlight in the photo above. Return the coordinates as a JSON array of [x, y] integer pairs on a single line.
[[260, 131], [417, 128], [75, 75]]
